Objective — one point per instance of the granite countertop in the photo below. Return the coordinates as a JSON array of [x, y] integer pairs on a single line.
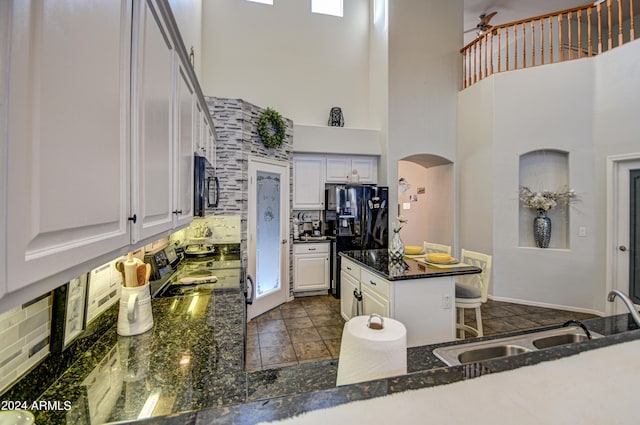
[[377, 261], [192, 362]]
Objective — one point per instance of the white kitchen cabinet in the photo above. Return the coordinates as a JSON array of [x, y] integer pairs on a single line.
[[153, 112], [308, 183], [311, 267], [187, 122], [373, 302], [348, 284], [68, 145], [4, 90], [211, 145], [367, 168], [200, 141], [340, 168]]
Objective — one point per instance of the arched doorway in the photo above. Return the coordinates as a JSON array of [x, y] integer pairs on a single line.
[[426, 197]]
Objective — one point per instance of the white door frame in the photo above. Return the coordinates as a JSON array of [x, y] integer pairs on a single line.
[[254, 163], [614, 262]]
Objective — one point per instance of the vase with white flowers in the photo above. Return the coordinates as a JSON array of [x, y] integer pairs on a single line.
[[542, 202], [396, 247]]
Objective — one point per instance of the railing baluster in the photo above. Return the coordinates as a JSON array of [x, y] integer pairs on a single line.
[[533, 45], [499, 48], [632, 24], [620, 36], [506, 48], [599, 9], [475, 63], [480, 60], [486, 61], [569, 16], [561, 55], [610, 41], [541, 42], [579, 15], [469, 67], [589, 30], [524, 45], [491, 55], [550, 40], [515, 48]]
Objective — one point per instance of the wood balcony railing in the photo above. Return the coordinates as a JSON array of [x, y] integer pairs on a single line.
[[560, 36]]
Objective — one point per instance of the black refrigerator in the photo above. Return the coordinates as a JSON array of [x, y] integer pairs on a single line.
[[362, 222]]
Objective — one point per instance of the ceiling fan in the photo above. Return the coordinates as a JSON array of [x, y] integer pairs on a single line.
[[483, 26]]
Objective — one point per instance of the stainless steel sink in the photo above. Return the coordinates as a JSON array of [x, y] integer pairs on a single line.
[[493, 352], [510, 346], [555, 340]]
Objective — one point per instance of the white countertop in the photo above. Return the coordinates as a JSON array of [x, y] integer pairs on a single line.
[[595, 387]]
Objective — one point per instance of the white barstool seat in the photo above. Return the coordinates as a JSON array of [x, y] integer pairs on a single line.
[[472, 291]]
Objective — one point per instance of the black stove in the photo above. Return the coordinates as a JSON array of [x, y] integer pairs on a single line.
[[221, 269]]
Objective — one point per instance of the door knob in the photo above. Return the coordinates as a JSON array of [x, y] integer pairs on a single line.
[[284, 241], [622, 248]]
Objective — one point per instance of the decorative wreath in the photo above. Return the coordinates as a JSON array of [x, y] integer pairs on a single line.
[[271, 128]]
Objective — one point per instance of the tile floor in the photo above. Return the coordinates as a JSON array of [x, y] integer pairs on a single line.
[[310, 329]]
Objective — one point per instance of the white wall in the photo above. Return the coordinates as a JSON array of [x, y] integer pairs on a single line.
[[285, 57], [586, 107], [616, 131], [188, 15], [475, 167], [424, 78], [431, 216]]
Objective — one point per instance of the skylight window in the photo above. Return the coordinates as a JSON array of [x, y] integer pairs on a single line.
[[263, 1], [327, 7]]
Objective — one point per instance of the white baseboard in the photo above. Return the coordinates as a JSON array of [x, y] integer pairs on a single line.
[[548, 305]]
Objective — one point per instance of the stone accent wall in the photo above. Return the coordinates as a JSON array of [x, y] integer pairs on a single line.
[[236, 123]]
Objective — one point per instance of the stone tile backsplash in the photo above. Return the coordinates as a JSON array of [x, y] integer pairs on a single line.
[[25, 334]]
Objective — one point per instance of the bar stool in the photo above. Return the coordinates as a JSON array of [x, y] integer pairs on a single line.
[[472, 290], [436, 247]]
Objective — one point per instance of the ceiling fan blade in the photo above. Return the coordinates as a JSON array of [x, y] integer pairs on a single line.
[[471, 29], [485, 18]]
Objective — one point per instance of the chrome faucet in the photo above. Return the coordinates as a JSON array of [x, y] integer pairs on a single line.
[[627, 301]]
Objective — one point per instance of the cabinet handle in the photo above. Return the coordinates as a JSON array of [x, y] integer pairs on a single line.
[[372, 282], [134, 218], [177, 212], [348, 268], [311, 249]]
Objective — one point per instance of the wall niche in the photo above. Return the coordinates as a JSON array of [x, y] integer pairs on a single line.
[[545, 170]]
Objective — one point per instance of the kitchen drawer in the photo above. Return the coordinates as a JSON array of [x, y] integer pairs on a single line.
[[311, 248], [375, 283], [350, 267]]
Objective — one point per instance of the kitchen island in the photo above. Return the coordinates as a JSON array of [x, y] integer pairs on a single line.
[[420, 295]]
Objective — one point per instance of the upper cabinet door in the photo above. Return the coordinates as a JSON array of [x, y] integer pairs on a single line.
[[68, 134], [5, 26], [338, 169], [308, 183], [367, 168], [153, 154], [187, 123]]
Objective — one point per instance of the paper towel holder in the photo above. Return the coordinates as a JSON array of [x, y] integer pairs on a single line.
[[375, 326]]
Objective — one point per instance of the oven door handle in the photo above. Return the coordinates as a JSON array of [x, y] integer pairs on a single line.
[[249, 290]]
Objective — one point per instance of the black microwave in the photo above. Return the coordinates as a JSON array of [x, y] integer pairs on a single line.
[[206, 188]]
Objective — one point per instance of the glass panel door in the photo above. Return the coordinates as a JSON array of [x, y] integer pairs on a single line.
[[267, 233]]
